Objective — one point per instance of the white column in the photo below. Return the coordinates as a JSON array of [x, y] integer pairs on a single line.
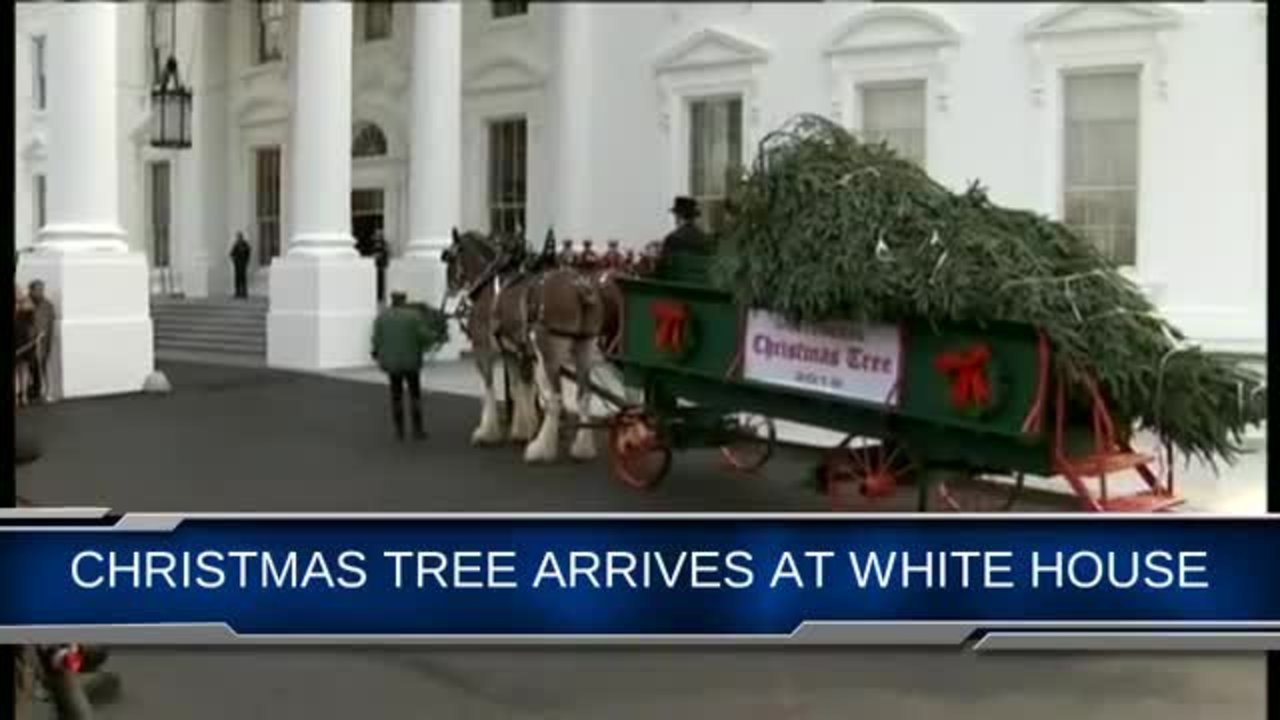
[[572, 209], [435, 156], [194, 200], [323, 294], [103, 342]]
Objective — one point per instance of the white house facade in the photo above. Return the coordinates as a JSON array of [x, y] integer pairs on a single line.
[[1141, 124]]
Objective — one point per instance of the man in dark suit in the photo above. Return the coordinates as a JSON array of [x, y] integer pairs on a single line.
[[240, 252], [381, 258], [687, 237]]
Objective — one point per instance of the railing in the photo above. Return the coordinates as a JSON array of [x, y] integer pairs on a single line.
[[169, 281]]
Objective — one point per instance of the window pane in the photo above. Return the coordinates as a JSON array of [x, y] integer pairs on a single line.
[[507, 182], [38, 200], [37, 64], [160, 34], [369, 141], [895, 115], [270, 31], [160, 214], [366, 202], [1100, 160], [267, 191], [377, 20], [715, 153], [507, 8]]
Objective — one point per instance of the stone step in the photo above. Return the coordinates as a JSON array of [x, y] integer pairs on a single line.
[[163, 338], [201, 344], [212, 327], [260, 303], [209, 312], [211, 331], [248, 325]]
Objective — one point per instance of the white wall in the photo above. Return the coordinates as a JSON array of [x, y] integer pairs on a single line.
[[993, 115], [1202, 234], [30, 128], [506, 72]]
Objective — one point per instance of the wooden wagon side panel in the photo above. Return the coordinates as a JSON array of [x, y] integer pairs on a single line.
[[679, 327], [981, 379]]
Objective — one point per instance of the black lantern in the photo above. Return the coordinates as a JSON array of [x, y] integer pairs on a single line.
[[171, 110], [171, 102]]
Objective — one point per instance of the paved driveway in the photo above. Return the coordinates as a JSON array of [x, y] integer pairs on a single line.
[[232, 439]]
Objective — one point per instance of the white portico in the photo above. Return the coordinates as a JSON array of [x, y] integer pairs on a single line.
[[322, 293], [318, 123]]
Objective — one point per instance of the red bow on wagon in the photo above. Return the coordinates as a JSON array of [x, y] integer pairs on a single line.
[[672, 318], [968, 372]]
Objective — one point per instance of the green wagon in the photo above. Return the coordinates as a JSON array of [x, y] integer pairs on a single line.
[[942, 409]]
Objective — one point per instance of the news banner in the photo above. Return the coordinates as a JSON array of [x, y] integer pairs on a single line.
[[991, 583]]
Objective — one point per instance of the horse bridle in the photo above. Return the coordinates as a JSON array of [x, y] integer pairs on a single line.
[[469, 293]]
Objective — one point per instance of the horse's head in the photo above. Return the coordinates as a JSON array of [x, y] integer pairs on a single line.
[[467, 259]]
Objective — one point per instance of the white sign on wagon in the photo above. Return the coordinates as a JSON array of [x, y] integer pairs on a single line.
[[839, 359]]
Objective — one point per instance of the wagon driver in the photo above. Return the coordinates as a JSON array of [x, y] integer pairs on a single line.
[[687, 237]]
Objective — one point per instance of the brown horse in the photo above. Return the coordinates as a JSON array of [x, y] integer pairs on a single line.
[[542, 322]]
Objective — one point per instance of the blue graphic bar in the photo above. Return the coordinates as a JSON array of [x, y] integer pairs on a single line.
[[638, 576]]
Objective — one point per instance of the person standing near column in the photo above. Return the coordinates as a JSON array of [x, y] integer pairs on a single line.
[[240, 252], [44, 318], [381, 258], [400, 339]]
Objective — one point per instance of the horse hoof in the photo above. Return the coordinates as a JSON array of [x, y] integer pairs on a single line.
[[484, 439], [538, 457]]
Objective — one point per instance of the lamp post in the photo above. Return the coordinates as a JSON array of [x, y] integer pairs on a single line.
[[171, 101]]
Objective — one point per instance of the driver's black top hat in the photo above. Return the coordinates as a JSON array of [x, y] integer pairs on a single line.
[[685, 207]]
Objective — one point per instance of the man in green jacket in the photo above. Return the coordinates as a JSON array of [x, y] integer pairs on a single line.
[[400, 337]]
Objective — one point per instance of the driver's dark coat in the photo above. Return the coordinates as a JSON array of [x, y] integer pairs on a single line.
[[687, 238]]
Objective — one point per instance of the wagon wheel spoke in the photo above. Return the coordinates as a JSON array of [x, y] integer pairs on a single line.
[[637, 453], [844, 486], [750, 448], [858, 478], [974, 494], [858, 458], [894, 454]]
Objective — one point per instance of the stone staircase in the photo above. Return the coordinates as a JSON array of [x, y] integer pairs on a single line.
[[217, 329]]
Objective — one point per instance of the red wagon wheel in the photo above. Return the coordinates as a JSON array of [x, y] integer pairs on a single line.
[[855, 478], [752, 444], [637, 453], [972, 493]]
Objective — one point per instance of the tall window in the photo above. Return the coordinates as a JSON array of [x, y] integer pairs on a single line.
[[268, 31], [895, 115], [1100, 184], [715, 154], [267, 191], [507, 172], [39, 193], [38, 88], [377, 20], [159, 36], [160, 213], [510, 8]]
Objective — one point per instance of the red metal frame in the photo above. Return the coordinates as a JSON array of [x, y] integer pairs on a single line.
[[1110, 456]]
